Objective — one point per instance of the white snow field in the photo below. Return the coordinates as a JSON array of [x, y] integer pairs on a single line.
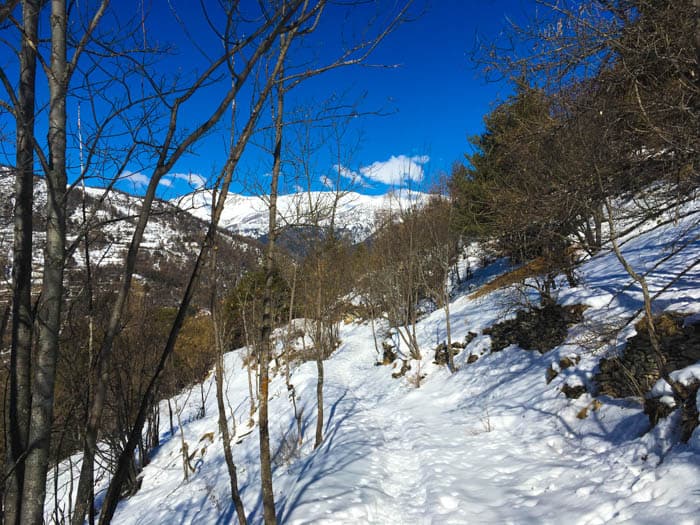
[[248, 215], [492, 443]]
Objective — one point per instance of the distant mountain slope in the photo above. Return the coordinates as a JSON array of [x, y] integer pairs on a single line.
[[171, 240], [355, 212]]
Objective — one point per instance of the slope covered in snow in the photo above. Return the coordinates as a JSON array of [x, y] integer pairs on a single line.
[[170, 242], [492, 443], [248, 215]]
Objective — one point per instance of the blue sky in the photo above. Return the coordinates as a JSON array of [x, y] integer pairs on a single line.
[[430, 102]]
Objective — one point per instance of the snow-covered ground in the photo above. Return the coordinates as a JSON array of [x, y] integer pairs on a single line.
[[492, 443]]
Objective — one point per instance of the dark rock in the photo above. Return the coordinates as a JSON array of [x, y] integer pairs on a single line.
[[538, 329], [573, 392], [550, 374], [389, 355], [405, 367], [441, 354], [472, 359], [686, 401], [656, 410], [568, 362], [689, 412], [637, 370], [469, 338]]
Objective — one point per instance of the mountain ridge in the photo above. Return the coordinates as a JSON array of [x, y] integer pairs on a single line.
[[354, 212]]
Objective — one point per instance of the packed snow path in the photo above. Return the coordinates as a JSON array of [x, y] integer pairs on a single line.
[[452, 452]]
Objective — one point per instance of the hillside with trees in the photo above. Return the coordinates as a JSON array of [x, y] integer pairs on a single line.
[[518, 343]]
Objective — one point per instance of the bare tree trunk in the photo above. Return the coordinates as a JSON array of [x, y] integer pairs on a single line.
[[415, 349], [166, 160], [696, 4], [319, 400], [49, 312], [268, 496], [290, 387], [112, 496], [226, 437], [448, 330], [184, 449], [374, 332], [648, 314], [252, 394], [320, 351], [170, 414], [223, 420], [410, 341], [20, 356]]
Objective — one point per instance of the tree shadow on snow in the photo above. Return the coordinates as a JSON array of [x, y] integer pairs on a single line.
[[338, 451]]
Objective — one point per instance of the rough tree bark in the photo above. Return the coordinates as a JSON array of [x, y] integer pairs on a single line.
[[49, 311], [22, 318], [268, 496]]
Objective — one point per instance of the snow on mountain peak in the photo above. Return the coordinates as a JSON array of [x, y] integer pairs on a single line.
[[354, 212]]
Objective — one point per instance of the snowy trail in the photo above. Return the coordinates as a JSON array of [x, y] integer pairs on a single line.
[[458, 451]]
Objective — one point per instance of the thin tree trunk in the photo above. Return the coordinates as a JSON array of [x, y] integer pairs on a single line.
[[648, 314], [320, 351], [415, 349], [448, 330], [170, 414], [268, 496], [319, 399], [49, 312], [226, 439], [290, 387], [251, 393], [169, 154], [374, 332], [112, 496], [20, 355], [223, 420]]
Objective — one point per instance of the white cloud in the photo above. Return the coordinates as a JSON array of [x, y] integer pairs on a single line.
[[166, 183], [326, 181], [397, 170], [346, 172], [139, 180], [193, 179]]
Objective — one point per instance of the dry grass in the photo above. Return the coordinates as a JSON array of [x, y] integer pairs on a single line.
[[532, 269]]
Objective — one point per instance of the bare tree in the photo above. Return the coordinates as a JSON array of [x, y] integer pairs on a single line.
[[438, 257], [219, 378], [355, 54], [39, 387], [156, 130], [169, 151], [22, 317], [396, 277]]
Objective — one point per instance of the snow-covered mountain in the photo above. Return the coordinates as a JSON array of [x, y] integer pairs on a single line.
[[499, 441], [355, 213], [170, 243]]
